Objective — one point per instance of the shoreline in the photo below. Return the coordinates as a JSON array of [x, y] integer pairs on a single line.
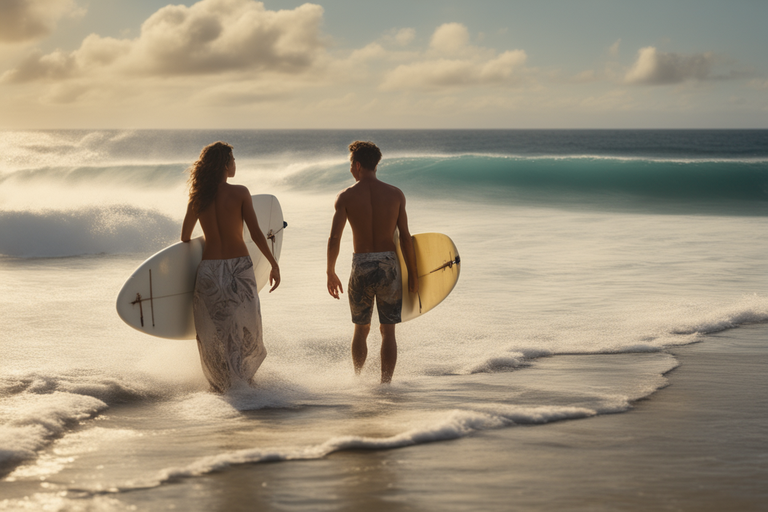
[[696, 445]]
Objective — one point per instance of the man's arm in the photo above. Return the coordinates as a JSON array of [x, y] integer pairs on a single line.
[[249, 216], [334, 243], [190, 219], [406, 246]]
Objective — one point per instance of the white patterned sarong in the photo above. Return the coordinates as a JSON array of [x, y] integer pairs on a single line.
[[228, 321]]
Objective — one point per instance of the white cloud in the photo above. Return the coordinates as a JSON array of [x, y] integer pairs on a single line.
[[653, 67], [451, 62], [405, 36], [450, 38], [372, 51], [27, 20], [502, 67], [430, 74], [219, 35], [209, 37]]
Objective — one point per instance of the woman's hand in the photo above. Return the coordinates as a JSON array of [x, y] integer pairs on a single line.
[[274, 277]]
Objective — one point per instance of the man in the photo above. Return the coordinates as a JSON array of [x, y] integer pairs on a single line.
[[374, 209]]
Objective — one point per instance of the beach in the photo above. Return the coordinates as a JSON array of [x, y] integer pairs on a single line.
[[602, 349], [696, 445], [586, 186]]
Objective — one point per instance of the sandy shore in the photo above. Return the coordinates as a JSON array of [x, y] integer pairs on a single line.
[[700, 444]]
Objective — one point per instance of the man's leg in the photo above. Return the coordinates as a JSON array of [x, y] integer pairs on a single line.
[[359, 346], [388, 352]]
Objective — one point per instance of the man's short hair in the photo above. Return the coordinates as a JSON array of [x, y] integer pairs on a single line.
[[367, 153]]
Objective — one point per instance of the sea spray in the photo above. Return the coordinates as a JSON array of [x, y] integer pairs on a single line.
[[90, 230]]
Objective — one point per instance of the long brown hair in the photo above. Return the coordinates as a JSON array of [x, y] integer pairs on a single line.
[[206, 174]]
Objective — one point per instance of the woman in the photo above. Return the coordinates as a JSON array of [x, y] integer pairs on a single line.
[[226, 305]]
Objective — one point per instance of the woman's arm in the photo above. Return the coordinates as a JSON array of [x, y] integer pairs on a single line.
[[190, 219], [249, 216]]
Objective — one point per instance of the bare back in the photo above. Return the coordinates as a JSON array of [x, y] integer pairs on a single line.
[[373, 208], [222, 223]]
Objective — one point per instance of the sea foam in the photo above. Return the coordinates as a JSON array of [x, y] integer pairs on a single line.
[[36, 420], [36, 408], [455, 424]]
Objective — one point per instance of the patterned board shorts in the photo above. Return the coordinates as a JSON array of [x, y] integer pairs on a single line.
[[375, 274]]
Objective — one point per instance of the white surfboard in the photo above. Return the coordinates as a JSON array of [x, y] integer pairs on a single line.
[[157, 298], [438, 264]]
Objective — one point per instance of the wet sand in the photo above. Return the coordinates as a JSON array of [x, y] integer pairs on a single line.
[[700, 444]]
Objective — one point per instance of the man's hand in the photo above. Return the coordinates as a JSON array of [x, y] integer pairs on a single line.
[[334, 285], [274, 277], [413, 283]]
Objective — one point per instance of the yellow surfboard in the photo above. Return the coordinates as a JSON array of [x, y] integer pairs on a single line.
[[438, 264]]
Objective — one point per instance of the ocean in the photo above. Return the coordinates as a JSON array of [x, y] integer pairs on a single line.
[[588, 257]]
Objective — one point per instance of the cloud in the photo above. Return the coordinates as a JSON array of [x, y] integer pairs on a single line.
[[653, 67], [54, 66], [429, 74], [219, 35], [398, 38], [451, 62], [405, 36], [370, 52], [28, 20], [450, 38], [503, 66], [209, 37]]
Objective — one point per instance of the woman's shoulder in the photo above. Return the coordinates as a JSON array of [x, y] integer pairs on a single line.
[[238, 190]]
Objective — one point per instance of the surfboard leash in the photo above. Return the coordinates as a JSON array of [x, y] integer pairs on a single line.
[[448, 264], [272, 234]]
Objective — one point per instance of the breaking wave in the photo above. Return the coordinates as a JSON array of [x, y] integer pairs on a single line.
[[93, 230]]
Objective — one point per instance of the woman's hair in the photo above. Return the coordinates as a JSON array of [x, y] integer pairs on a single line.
[[206, 174]]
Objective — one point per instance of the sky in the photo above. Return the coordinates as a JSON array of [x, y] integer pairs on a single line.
[[240, 64]]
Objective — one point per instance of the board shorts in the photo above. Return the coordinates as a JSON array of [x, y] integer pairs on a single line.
[[375, 274], [227, 316]]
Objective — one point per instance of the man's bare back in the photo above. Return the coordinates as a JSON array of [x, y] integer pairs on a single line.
[[373, 208]]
